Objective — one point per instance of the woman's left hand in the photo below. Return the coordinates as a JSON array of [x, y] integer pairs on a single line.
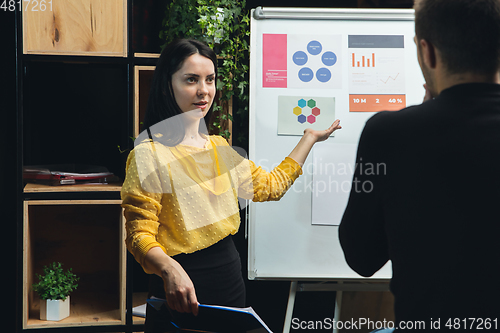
[[310, 137], [323, 135]]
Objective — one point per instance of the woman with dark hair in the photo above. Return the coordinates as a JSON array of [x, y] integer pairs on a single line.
[[162, 104], [181, 188]]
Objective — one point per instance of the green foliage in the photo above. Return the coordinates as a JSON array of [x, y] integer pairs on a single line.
[[55, 284], [224, 26]]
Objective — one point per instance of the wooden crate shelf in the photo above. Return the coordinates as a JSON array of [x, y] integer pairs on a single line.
[[139, 298], [88, 309], [143, 77], [39, 188], [77, 27], [87, 236]]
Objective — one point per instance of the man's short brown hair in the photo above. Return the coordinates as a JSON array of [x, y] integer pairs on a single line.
[[466, 32]]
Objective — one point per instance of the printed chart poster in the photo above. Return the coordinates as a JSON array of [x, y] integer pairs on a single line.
[[296, 113], [302, 61], [314, 61], [376, 73], [274, 61]]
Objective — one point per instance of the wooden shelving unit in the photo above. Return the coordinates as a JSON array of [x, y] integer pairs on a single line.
[[87, 236], [75, 105]]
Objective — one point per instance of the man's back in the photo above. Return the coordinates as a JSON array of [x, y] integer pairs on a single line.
[[434, 211]]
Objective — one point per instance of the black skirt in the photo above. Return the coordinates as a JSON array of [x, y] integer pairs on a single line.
[[217, 279]]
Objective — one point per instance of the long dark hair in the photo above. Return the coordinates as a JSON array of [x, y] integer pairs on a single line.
[[161, 102]]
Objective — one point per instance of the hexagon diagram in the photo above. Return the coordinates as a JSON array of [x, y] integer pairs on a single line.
[[306, 111], [311, 119], [297, 111]]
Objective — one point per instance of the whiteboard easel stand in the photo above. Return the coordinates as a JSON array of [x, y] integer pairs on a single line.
[[338, 286], [276, 249]]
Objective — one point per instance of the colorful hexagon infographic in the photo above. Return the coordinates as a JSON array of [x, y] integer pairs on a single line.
[[296, 113], [308, 108]]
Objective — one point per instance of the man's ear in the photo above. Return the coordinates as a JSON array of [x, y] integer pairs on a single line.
[[428, 53]]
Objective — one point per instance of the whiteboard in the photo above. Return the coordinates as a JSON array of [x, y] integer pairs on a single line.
[[283, 241]]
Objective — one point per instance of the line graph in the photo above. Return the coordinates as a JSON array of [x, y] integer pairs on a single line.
[[376, 73], [389, 78]]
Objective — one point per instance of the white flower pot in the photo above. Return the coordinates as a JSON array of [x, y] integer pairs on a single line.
[[54, 309]]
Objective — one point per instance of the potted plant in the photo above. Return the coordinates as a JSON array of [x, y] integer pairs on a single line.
[[54, 288]]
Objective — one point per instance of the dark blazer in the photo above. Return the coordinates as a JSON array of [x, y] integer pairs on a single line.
[[426, 195]]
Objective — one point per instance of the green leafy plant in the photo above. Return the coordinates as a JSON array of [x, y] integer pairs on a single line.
[[225, 26], [55, 283]]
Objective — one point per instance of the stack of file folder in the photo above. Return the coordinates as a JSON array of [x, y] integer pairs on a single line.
[[68, 174], [216, 319]]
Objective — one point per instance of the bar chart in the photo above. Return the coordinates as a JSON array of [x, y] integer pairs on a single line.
[[366, 61], [376, 73]]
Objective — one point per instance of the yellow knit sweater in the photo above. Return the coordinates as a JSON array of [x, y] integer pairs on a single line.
[[184, 199]]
